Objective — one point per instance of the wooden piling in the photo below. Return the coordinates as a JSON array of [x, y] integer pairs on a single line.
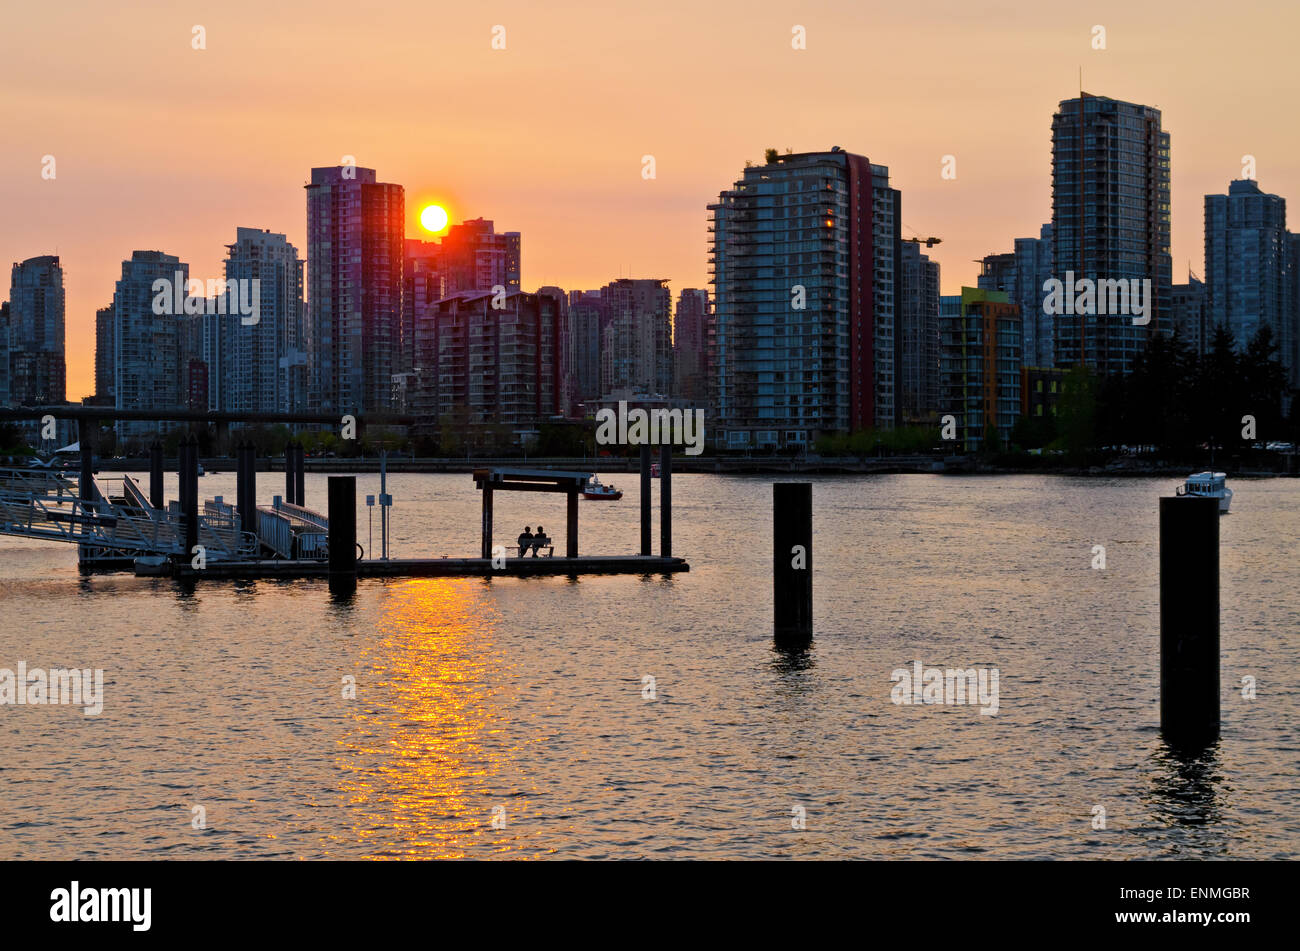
[[571, 529], [1189, 621], [792, 564], [189, 474], [666, 499], [246, 486], [645, 499], [343, 534], [156, 497]]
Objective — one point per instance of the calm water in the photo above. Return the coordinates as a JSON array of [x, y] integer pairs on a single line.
[[526, 694]]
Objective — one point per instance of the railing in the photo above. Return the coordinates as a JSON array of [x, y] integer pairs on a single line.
[[275, 532]]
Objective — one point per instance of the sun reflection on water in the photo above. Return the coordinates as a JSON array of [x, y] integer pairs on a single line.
[[423, 758]]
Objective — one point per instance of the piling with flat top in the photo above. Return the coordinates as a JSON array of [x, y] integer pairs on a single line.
[[246, 486], [86, 444], [156, 497], [1189, 621], [571, 528], [645, 498], [190, 491], [792, 564], [666, 500], [343, 534], [299, 474], [290, 483], [486, 547]]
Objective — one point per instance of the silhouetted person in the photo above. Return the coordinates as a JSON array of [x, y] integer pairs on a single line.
[[539, 540], [525, 540]]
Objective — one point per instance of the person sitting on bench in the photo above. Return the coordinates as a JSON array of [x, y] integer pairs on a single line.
[[540, 540], [525, 540]]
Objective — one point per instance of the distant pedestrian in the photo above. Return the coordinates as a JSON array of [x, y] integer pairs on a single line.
[[526, 540]]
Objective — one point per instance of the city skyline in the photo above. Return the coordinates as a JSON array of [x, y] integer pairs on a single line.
[[476, 158]]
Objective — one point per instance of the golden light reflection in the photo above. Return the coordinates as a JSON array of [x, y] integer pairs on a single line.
[[425, 762]]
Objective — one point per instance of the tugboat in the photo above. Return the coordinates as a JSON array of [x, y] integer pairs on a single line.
[[1208, 485], [597, 491]]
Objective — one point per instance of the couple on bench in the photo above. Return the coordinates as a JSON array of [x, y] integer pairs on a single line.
[[536, 542]]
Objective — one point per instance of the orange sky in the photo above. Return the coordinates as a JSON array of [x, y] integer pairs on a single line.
[[161, 146]]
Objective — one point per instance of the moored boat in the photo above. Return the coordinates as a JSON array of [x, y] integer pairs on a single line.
[[598, 491], [1208, 485]]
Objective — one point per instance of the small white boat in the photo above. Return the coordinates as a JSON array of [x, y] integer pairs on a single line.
[[597, 491], [1209, 485]]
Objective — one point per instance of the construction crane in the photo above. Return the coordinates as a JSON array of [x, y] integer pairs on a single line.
[[929, 242]]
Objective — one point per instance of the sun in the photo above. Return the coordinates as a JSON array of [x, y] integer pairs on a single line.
[[433, 218]]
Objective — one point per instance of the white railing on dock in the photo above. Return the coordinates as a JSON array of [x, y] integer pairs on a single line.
[[275, 532]]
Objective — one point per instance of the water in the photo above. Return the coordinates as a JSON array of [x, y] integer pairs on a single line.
[[524, 696]]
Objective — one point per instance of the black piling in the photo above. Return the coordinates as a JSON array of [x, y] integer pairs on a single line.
[[189, 473], [246, 486], [666, 500], [156, 497], [1189, 621], [571, 526], [299, 474], [343, 534], [792, 564], [645, 499], [86, 439], [290, 483]]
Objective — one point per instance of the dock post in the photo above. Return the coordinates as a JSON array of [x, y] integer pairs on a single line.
[[571, 530], [666, 500], [289, 483], [190, 491], [246, 490], [1189, 621], [86, 443], [792, 564], [486, 551], [343, 534], [645, 498], [299, 474], [156, 498]]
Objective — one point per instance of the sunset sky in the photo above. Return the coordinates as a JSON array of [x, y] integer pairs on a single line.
[[161, 146]]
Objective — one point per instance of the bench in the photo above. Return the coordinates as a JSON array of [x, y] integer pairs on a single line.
[[549, 549]]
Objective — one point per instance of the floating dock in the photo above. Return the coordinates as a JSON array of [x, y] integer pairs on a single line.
[[118, 526]]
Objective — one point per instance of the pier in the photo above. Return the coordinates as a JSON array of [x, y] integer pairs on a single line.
[[119, 525]]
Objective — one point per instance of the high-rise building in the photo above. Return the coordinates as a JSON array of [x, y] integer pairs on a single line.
[[105, 347], [151, 351], [4, 354], [582, 345], [1021, 275], [636, 339], [248, 373], [690, 346], [355, 252], [423, 285], [475, 257], [1247, 265], [980, 364], [37, 369], [1188, 314], [803, 254], [917, 303], [1110, 221], [488, 365], [1293, 262]]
